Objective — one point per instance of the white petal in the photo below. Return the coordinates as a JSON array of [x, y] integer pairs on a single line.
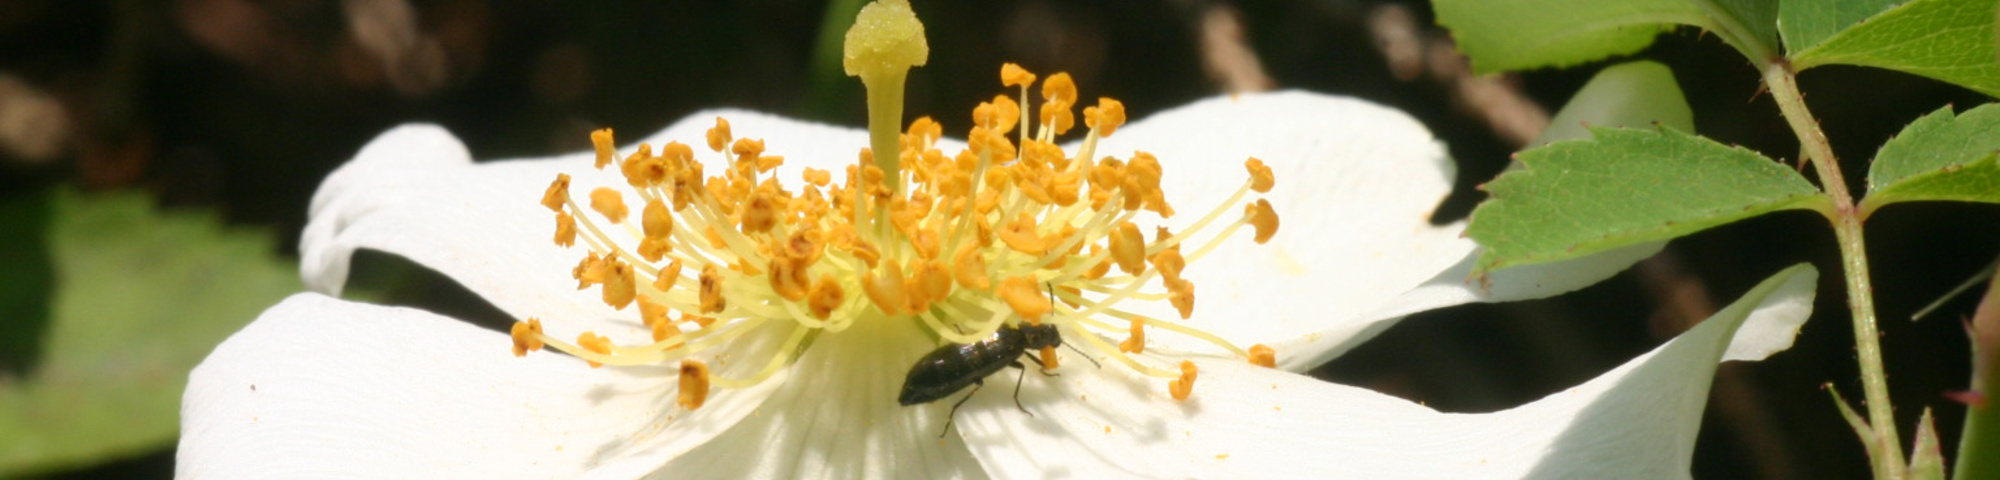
[[415, 192], [838, 418], [1636, 421], [318, 386], [1356, 184]]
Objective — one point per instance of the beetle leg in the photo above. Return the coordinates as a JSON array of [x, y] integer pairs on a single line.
[[949, 417], [1018, 380]]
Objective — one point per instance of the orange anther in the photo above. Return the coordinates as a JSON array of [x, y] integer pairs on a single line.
[[609, 203], [1012, 75], [652, 312], [1007, 114], [1021, 236], [1263, 356], [788, 279], [694, 384], [1128, 248], [642, 168], [558, 193], [1136, 343], [1183, 386], [668, 277], [718, 136], [969, 268], [825, 296], [565, 229], [1183, 297], [1106, 117], [527, 336], [1059, 89], [594, 343], [602, 142], [1169, 263], [620, 283], [656, 220], [1264, 218], [711, 290], [1261, 177], [885, 287], [1025, 297], [747, 149]]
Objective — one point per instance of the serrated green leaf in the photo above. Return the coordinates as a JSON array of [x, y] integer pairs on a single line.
[[1758, 19], [1627, 186], [1939, 157], [1805, 24], [1948, 40], [1926, 460], [141, 297], [1520, 34], [1631, 94]]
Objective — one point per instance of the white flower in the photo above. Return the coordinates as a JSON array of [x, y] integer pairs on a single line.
[[319, 385]]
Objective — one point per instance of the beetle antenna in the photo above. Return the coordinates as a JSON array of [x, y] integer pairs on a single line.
[[1086, 356]]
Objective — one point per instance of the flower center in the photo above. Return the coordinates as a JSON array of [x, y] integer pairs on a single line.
[[1013, 230]]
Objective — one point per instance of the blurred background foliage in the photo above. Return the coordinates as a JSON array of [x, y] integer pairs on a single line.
[[157, 156]]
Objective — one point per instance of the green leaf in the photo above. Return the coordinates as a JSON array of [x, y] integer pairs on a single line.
[[1939, 157], [1629, 94], [1948, 40], [1520, 34], [1623, 187], [1855, 422], [141, 297], [1926, 460], [1805, 24], [27, 282]]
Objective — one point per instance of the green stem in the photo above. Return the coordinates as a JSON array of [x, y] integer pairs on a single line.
[[1979, 447], [1779, 77]]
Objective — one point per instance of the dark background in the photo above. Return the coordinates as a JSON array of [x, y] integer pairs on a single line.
[[242, 106]]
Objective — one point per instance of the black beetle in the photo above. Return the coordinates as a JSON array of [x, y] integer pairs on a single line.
[[951, 368]]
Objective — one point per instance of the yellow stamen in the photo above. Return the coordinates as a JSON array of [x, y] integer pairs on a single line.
[[961, 244]]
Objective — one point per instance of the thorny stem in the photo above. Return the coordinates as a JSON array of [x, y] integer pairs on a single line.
[[1846, 220]]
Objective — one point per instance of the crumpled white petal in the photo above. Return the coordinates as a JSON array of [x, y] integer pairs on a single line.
[[318, 385], [1636, 421]]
